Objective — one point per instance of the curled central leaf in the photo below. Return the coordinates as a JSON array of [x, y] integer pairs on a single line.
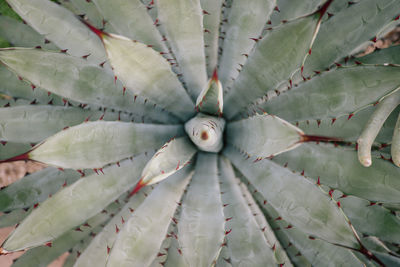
[[206, 132]]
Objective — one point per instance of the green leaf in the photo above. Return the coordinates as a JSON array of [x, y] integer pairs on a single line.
[[13, 217], [74, 205], [200, 230], [75, 79], [95, 144], [335, 93], [338, 168], [390, 55], [61, 27], [145, 71], [89, 10], [11, 149], [275, 61], [263, 135], [97, 251], [211, 23], [381, 222], [130, 19], [242, 225], [13, 86], [139, 240], [171, 157], [289, 11], [348, 32], [314, 250], [35, 188], [373, 126], [246, 20], [43, 121], [396, 143], [182, 21], [349, 129], [210, 100], [20, 34], [315, 214], [280, 254]]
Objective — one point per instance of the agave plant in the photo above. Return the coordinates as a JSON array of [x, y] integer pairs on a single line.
[[201, 132]]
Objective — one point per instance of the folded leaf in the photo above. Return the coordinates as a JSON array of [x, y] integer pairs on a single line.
[[141, 236], [182, 21], [200, 230], [61, 27], [338, 168], [312, 211], [74, 205], [95, 144], [143, 70], [76, 79], [263, 135], [171, 157], [210, 100]]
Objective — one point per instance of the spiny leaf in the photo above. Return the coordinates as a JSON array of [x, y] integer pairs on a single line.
[[200, 230], [152, 76], [335, 93], [74, 205], [76, 79], [130, 19], [338, 168], [211, 24], [244, 227], [263, 135], [35, 188], [182, 21], [348, 32], [61, 27], [98, 250], [210, 100], [141, 236], [315, 214], [171, 157], [396, 143], [95, 144], [298, 36], [246, 21], [20, 34]]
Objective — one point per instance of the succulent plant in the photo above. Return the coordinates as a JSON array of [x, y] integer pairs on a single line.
[[198, 133]]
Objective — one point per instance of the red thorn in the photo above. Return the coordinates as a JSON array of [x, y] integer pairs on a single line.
[[116, 229], [318, 181], [302, 173], [177, 167], [78, 229], [324, 8], [316, 138], [350, 115], [309, 51], [205, 13], [330, 192], [138, 186], [311, 237], [371, 204], [228, 219], [338, 204], [228, 232], [278, 218], [108, 250], [87, 225], [333, 121], [276, 8], [64, 184], [289, 226], [215, 75], [48, 244], [24, 156], [96, 31]]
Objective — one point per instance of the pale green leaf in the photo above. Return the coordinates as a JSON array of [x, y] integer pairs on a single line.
[[200, 230], [61, 27], [140, 238], [74, 205], [263, 135], [210, 100], [95, 144], [145, 71], [297, 200], [182, 21]]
